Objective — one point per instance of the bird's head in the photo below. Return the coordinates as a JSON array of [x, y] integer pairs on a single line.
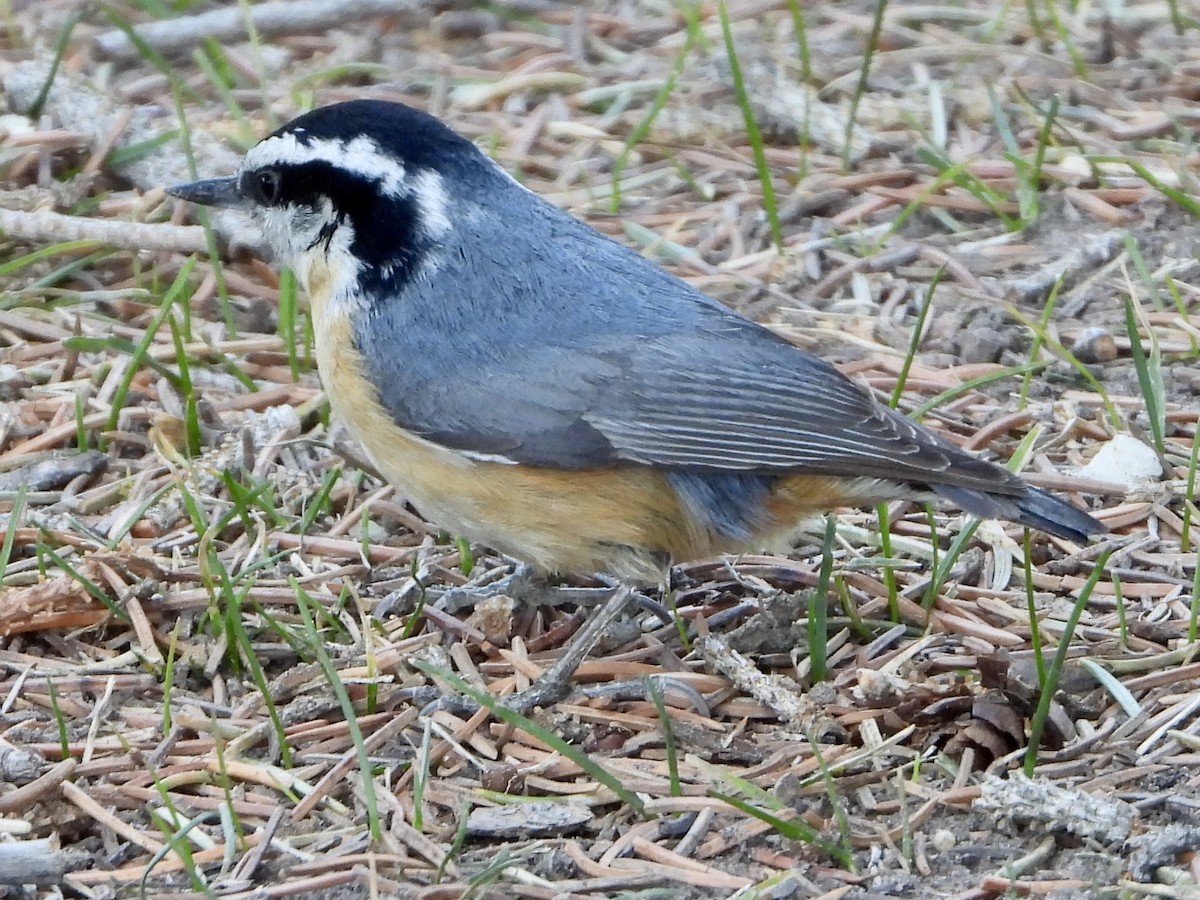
[[366, 187]]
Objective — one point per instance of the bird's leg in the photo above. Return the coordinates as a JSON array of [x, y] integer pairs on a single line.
[[532, 588], [521, 582], [555, 682], [526, 584]]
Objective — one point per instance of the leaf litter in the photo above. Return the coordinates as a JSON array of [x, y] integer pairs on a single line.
[[191, 547]]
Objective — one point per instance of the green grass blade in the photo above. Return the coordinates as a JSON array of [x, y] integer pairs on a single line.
[[140, 354], [60, 48], [288, 305], [1189, 494], [792, 829], [915, 341], [971, 384], [1037, 724], [664, 721], [818, 608], [1186, 201], [800, 29], [10, 531], [60, 721], [753, 134], [34, 257], [235, 632], [317, 646], [658, 104], [1035, 346], [509, 717], [1064, 36], [420, 776], [864, 77], [1149, 374], [835, 800], [1035, 631], [889, 572], [93, 589], [1194, 613], [191, 415], [1110, 408]]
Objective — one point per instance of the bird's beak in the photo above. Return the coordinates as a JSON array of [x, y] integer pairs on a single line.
[[222, 192]]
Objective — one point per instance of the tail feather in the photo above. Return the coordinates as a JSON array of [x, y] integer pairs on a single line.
[[1032, 506]]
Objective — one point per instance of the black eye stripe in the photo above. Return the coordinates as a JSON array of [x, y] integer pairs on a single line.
[[307, 183]]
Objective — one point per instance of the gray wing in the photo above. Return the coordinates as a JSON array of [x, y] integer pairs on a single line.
[[734, 399], [769, 407]]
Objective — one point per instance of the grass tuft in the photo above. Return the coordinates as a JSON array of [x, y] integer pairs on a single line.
[[1149, 373]]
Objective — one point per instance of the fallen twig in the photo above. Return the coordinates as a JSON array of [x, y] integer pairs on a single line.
[[47, 227], [31, 862], [173, 36]]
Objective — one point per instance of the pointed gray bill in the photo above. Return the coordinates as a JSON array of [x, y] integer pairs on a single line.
[[222, 192]]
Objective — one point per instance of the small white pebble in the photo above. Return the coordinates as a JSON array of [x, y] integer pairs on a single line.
[[944, 839], [1126, 461], [1077, 165]]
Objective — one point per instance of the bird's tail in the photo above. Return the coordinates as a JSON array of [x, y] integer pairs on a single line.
[[1033, 507]]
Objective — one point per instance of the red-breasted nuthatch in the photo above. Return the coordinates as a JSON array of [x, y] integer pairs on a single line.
[[531, 384]]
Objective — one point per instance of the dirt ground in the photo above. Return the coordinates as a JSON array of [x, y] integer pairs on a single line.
[[215, 618]]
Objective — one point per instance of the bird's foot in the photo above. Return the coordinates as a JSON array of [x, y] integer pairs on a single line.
[[555, 683], [531, 587]]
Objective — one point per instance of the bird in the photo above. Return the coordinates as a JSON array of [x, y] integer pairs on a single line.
[[532, 385]]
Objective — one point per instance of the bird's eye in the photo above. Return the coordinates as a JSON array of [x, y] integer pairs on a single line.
[[267, 184]]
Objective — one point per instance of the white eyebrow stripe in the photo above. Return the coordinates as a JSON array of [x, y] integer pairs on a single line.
[[361, 155]]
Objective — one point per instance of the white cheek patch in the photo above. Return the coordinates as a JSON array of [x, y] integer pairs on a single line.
[[291, 230], [360, 155], [276, 224]]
